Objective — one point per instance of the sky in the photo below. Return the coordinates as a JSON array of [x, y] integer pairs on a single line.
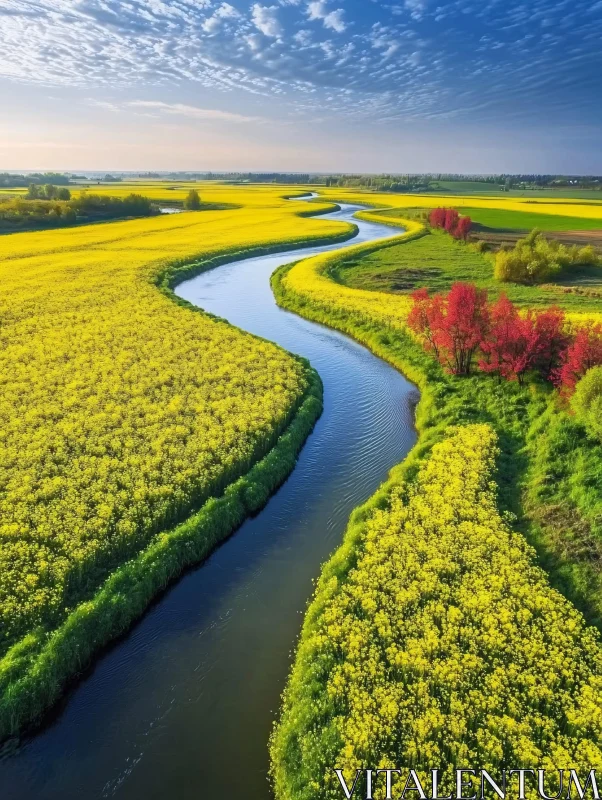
[[302, 85]]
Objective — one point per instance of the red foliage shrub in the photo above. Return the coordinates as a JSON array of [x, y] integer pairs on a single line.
[[584, 352], [450, 221], [553, 340], [456, 326], [437, 218], [426, 318], [463, 228], [516, 344], [452, 327]]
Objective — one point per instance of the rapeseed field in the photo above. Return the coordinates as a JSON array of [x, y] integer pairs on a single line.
[[434, 639], [122, 412]]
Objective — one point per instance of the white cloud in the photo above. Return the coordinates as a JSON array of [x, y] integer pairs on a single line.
[[334, 20], [225, 11], [266, 20], [416, 8], [317, 10], [194, 112], [254, 42], [303, 38]]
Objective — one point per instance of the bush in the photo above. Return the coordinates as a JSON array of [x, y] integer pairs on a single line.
[[458, 325], [192, 201], [38, 210], [448, 219], [452, 326], [583, 353], [587, 402], [534, 259], [107, 207]]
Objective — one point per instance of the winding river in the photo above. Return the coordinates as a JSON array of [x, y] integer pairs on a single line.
[[182, 707]]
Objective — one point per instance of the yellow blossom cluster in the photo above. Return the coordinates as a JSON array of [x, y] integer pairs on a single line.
[[434, 641], [311, 281], [120, 411]]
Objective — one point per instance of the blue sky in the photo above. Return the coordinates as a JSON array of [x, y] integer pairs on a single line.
[[407, 85]]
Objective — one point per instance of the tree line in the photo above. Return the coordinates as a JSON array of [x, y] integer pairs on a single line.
[[50, 207], [13, 180]]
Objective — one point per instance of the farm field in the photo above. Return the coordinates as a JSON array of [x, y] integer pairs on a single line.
[[122, 414], [508, 220], [153, 429], [546, 488], [574, 209]]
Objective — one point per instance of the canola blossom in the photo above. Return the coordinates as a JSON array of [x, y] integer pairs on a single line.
[[121, 412], [311, 282], [433, 640]]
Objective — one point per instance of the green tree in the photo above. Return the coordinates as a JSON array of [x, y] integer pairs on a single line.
[[587, 402], [192, 201]]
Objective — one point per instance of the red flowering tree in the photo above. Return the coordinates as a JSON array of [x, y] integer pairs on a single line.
[[426, 318], [465, 326], [511, 345], [457, 326], [450, 221], [582, 354], [437, 218], [462, 228], [553, 340], [452, 327], [516, 344]]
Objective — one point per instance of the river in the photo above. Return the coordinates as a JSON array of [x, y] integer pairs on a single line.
[[182, 706]]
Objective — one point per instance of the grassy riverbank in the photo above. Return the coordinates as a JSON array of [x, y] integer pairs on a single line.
[[547, 471]]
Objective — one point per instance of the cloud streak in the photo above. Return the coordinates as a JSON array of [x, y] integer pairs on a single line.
[[193, 112]]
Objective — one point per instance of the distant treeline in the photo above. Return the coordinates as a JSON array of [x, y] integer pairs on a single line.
[[51, 209], [396, 182], [10, 180], [579, 181]]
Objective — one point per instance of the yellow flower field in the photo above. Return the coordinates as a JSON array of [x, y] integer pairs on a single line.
[[434, 640], [120, 412], [311, 280]]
